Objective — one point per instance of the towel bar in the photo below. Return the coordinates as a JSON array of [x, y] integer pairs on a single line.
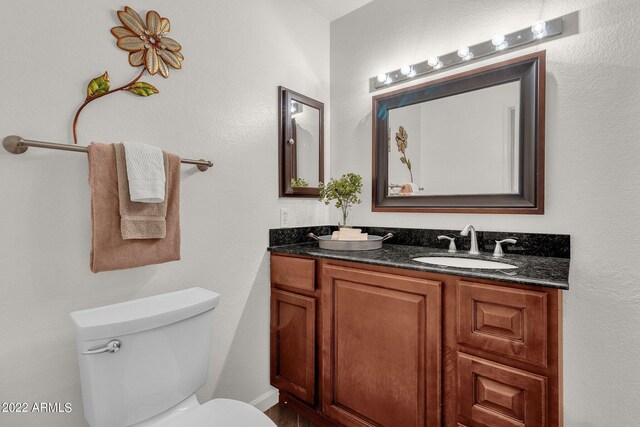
[[18, 145]]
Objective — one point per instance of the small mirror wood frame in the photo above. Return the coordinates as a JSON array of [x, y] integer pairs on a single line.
[[287, 152], [530, 71]]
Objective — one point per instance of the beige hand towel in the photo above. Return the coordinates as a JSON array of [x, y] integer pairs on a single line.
[[109, 250], [138, 220]]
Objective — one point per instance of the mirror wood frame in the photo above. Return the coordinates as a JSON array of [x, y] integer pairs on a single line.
[[530, 70], [287, 152]]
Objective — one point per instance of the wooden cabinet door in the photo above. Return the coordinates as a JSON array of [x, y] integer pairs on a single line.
[[293, 334], [381, 348]]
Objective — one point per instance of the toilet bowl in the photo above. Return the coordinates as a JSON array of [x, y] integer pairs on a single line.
[[216, 412], [142, 361]]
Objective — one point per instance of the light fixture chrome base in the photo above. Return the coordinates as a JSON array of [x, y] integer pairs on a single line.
[[553, 29], [14, 144]]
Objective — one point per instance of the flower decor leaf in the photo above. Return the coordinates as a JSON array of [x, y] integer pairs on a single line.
[[98, 86], [142, 89]]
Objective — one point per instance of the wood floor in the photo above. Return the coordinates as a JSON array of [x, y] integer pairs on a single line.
[[283, 417]]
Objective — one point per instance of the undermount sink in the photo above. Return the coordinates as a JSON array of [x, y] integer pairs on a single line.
[[464, 262]]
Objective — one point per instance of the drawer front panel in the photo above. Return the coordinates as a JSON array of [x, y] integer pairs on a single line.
[[498, 395], [506, 321], [297, 273]]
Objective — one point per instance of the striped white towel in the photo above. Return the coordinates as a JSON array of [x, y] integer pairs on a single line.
[[145, 171]]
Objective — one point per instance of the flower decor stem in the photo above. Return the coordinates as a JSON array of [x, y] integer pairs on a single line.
[[89, 99], [405, 162], [402, 140]]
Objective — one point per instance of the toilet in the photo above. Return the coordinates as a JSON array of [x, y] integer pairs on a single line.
[[142, 361]]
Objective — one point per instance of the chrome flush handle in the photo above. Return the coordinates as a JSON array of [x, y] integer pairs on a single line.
[[452, 243], [497, 252], [111, 347]]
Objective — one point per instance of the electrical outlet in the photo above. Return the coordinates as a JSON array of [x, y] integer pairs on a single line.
[[284, 217]]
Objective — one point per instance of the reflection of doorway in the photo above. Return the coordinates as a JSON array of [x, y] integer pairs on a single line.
[[511, 154], [294, 149]]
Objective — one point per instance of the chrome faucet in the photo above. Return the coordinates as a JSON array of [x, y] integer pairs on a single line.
[[474, 239]]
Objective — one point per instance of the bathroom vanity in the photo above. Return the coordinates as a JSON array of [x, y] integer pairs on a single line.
[[377, 339]]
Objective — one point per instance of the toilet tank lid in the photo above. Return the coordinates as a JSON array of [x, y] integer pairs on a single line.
[[142, 314]]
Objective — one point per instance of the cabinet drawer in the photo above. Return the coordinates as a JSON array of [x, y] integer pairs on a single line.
[[297, 273], [506, 321], [499, 396]]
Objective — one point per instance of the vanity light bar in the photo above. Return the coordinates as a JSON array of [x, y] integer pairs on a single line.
[[539, 32]]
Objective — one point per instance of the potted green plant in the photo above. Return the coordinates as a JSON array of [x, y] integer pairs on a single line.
[[299, 182], [344, 191]]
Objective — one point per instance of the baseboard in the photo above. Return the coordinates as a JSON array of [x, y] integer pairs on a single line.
[[267, 400]]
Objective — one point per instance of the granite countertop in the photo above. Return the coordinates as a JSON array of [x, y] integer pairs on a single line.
[[532, 270]]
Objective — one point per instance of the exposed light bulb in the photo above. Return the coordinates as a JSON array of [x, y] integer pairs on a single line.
[[434, 62], [465, 53], [412, 73], [406, 69], [499, 41], [382, 78], [539, 29]]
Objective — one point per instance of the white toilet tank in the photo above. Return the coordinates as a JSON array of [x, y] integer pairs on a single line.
[[163, 355]]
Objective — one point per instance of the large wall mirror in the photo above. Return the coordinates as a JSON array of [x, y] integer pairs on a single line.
[[301, 144], [468, 143]]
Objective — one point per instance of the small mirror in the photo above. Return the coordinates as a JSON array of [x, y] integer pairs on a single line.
[[301, 144], [468, 143]]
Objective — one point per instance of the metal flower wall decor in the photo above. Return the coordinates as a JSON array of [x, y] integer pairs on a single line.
[[148, 47], [402, 138]]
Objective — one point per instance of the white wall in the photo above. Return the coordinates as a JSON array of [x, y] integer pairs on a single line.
[[468, 148], [221, 106], [592, 158]]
